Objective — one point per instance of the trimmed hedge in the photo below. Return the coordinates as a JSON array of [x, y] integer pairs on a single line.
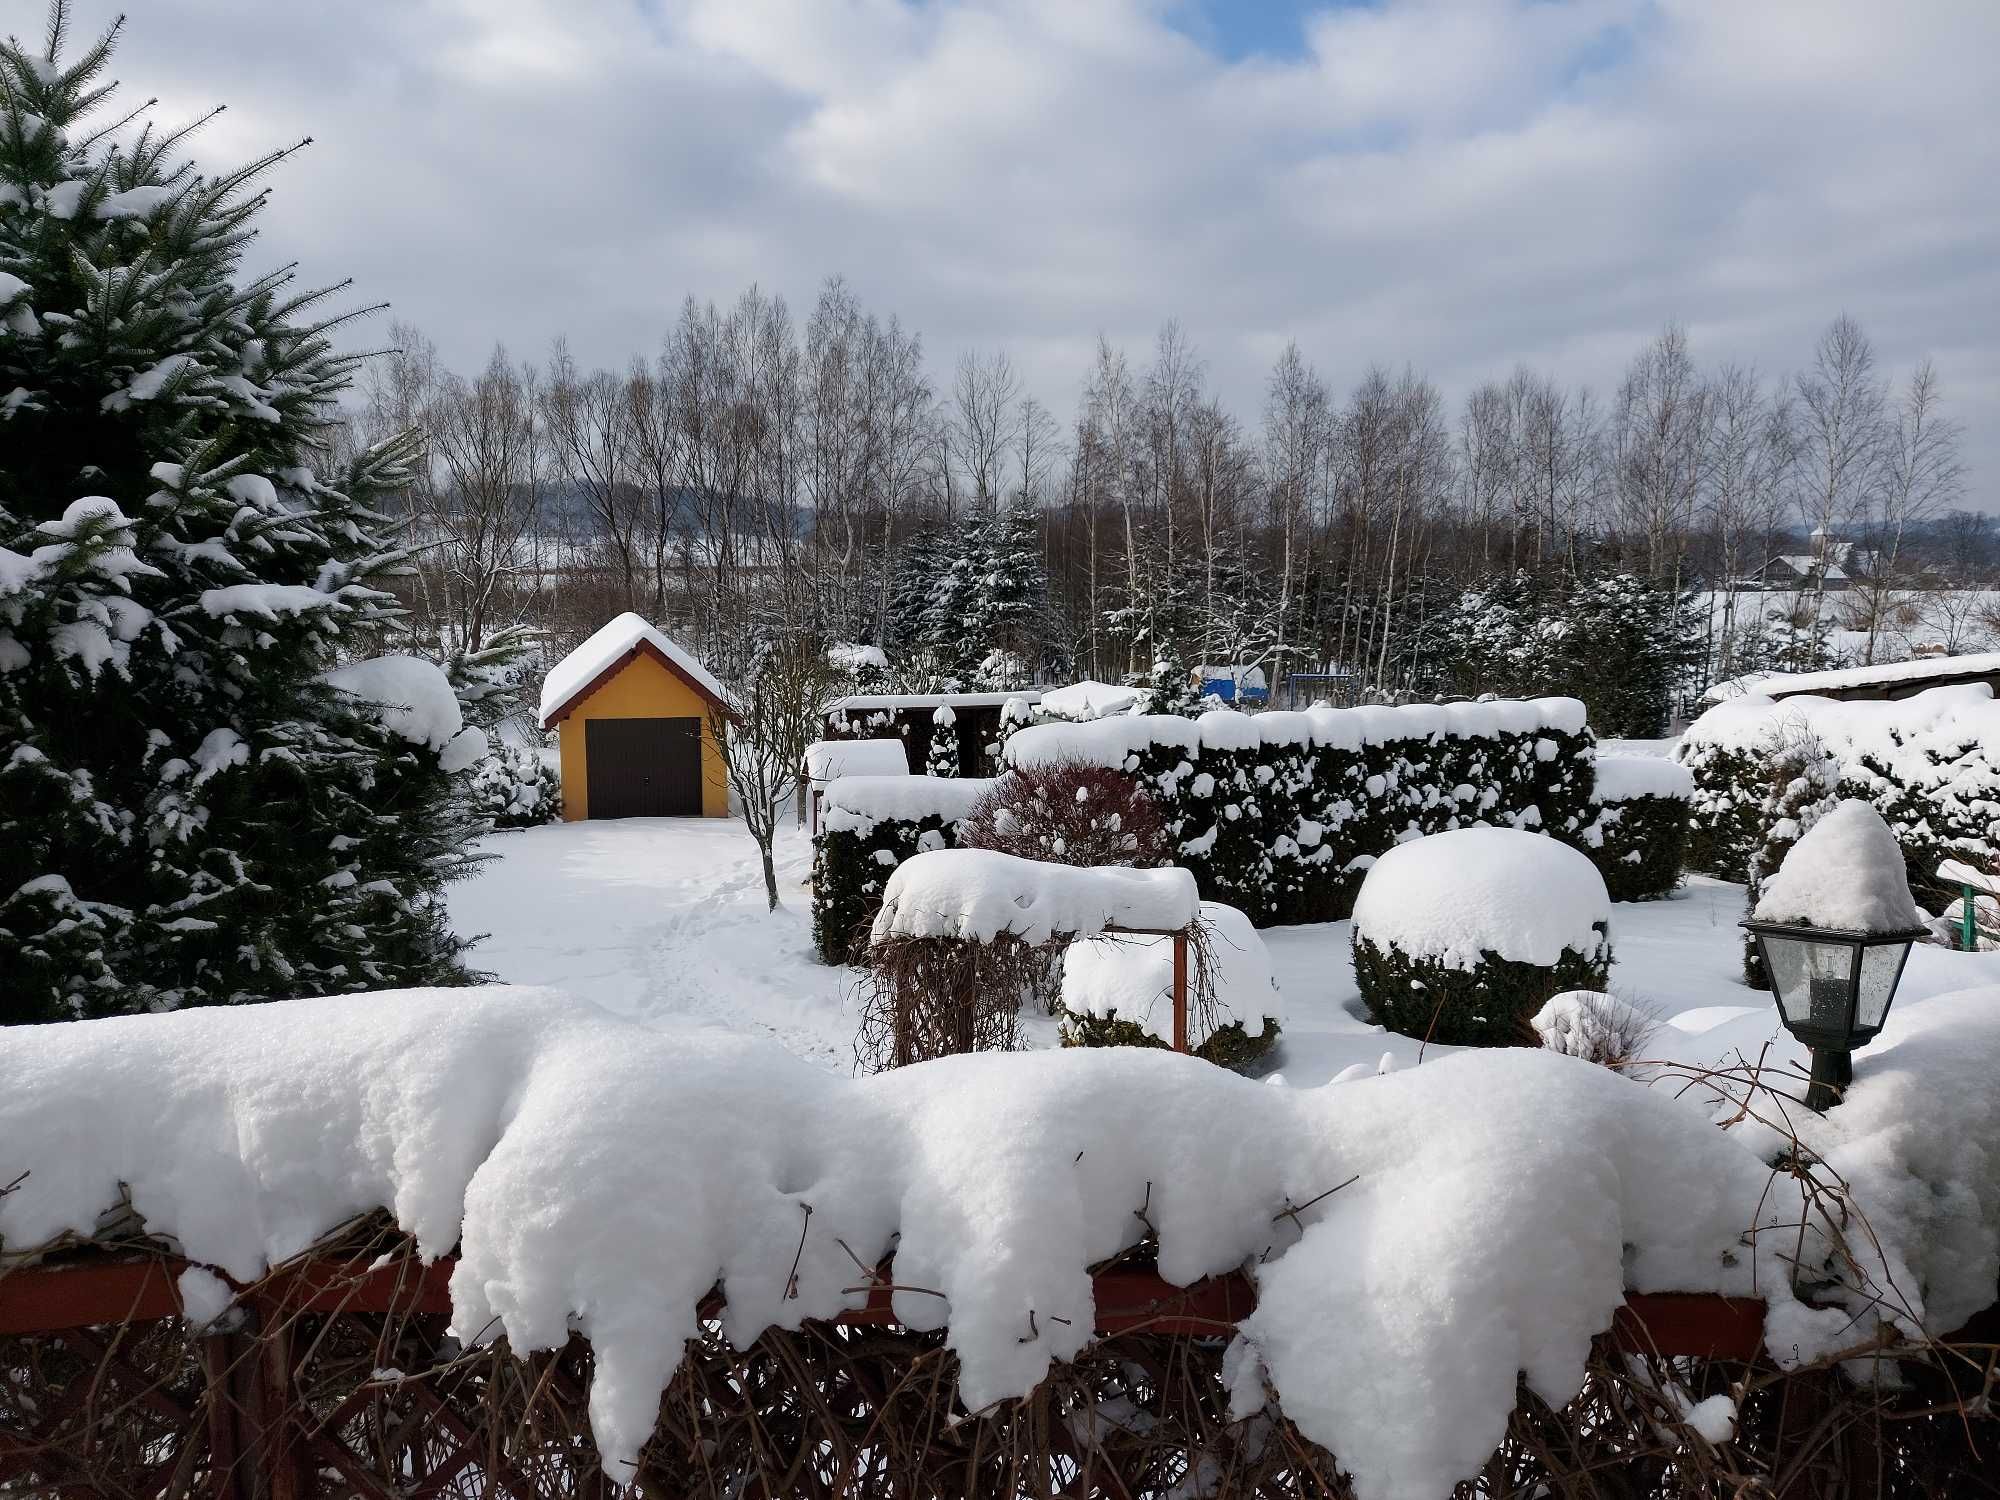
[[1642, 848], [1278, 814], [868, 826], [1229, 1046], [1492, 1004]]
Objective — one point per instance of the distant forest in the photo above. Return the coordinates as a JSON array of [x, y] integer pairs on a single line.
[[757, 475]]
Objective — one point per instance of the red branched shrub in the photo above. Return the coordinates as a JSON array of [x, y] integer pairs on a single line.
[[1069, 814]]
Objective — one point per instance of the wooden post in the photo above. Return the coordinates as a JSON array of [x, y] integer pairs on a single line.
[[1180, 992]]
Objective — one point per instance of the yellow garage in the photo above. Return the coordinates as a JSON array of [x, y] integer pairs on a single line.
[[635, 714]]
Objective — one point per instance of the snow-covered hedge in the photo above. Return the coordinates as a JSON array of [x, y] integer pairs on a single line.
[[1498, 1205], [1639, 837], [868, 826], [1279, 814], [1463, 936], [1930, 764]]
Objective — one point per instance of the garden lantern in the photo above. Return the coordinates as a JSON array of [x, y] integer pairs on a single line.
[[1833, 989], [1835, 924]]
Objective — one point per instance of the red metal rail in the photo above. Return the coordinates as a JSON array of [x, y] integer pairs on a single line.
[[88, 1293]]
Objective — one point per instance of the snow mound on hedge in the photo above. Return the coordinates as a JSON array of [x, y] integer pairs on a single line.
[[1455, 897], [1846, 872], [981, 893], [1133, 977], [1502, 1200], [1623, 778], [855, 804], [828, 760]]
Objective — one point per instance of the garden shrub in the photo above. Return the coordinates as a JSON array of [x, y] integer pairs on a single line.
[[1639, 839], [1068, 813], [868, 826], [1491, 1004], [1228, 1046], [515, 787]]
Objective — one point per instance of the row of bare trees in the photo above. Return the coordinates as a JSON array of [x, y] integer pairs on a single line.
[[755, 477]]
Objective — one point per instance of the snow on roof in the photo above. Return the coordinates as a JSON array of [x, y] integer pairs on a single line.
[[1456, 897], [1846, 872], [855, 804], [1132, 978], [576, 672], [1089, 700], [1878, 726], [413, 698], [1786, 684], [1620, 778], [981, 893], [827, 759], [1252, 677], [856, 703], [524, 1128], [1109, 742]]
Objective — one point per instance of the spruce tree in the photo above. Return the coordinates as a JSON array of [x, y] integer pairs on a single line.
[[1801, 785], [942, 758], [189, 812]]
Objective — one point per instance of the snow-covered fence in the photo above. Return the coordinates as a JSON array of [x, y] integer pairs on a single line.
[[1930, 764], [271, 1250], [868, 825], [1639, 837], [1280, 814]]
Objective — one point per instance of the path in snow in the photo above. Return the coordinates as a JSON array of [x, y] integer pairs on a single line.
[[663, 920]]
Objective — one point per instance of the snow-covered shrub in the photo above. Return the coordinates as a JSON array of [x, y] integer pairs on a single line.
[[1801, 786], [942, 757], [1930, 764], [1595, 1027], [965, 937], [1280, 813], [1117, 991], [1068, 814], [868, 826], [1462, 937], [516, 787], [1639, 837]]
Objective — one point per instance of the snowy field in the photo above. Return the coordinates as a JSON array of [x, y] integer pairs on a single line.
[[663, 920]]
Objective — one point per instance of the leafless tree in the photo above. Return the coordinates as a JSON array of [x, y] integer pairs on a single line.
[[780, 696], [1921, 474]]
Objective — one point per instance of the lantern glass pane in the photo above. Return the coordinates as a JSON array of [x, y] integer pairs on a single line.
[[1880, 967], [1814, 983]]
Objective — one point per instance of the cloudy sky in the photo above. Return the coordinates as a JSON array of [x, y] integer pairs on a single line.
[[1459, 184]]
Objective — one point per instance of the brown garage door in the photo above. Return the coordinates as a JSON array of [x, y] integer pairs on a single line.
[[643, 768]]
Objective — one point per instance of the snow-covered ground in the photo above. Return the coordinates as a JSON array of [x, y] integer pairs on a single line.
[[663, 920]]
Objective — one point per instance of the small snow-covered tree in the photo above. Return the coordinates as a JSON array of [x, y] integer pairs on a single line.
[[190, 812], [1801, 785], [942, 759], [780, 701], [1170, 687]]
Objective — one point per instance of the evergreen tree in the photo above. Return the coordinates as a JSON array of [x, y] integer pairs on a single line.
[[942, 758], [1170, 687], [1801, 785], [189, 811]]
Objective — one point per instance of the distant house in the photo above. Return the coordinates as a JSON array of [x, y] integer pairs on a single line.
[[1832, 566], [1238, 684], [1897, 679], [633, 711]]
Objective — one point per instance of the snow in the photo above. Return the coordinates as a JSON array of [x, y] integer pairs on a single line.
[[415, 702], [1498, 1203], [855, 804], [1787, 684], [1748, 723], [943, 717], [1621, 778], [1110, 742], [846, 656], [1133, 977], [826, 760], [1958, 872], [605, 646], [267, 601], [134, 203], [1089, 700], [856, 703], [1846, 872], [981, 893], [1455, 897]]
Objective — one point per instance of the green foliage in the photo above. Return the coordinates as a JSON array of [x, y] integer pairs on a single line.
[[1619, 642], [850, 868], [943, 756], [1229, 1046], [1640, 846], [188, 813], [516, 787], [1489, 1005]]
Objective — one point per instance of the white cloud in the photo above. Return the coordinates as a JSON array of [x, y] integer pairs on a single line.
[[1456, 183]]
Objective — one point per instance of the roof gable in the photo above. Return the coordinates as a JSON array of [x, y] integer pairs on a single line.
[[607, 653]]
